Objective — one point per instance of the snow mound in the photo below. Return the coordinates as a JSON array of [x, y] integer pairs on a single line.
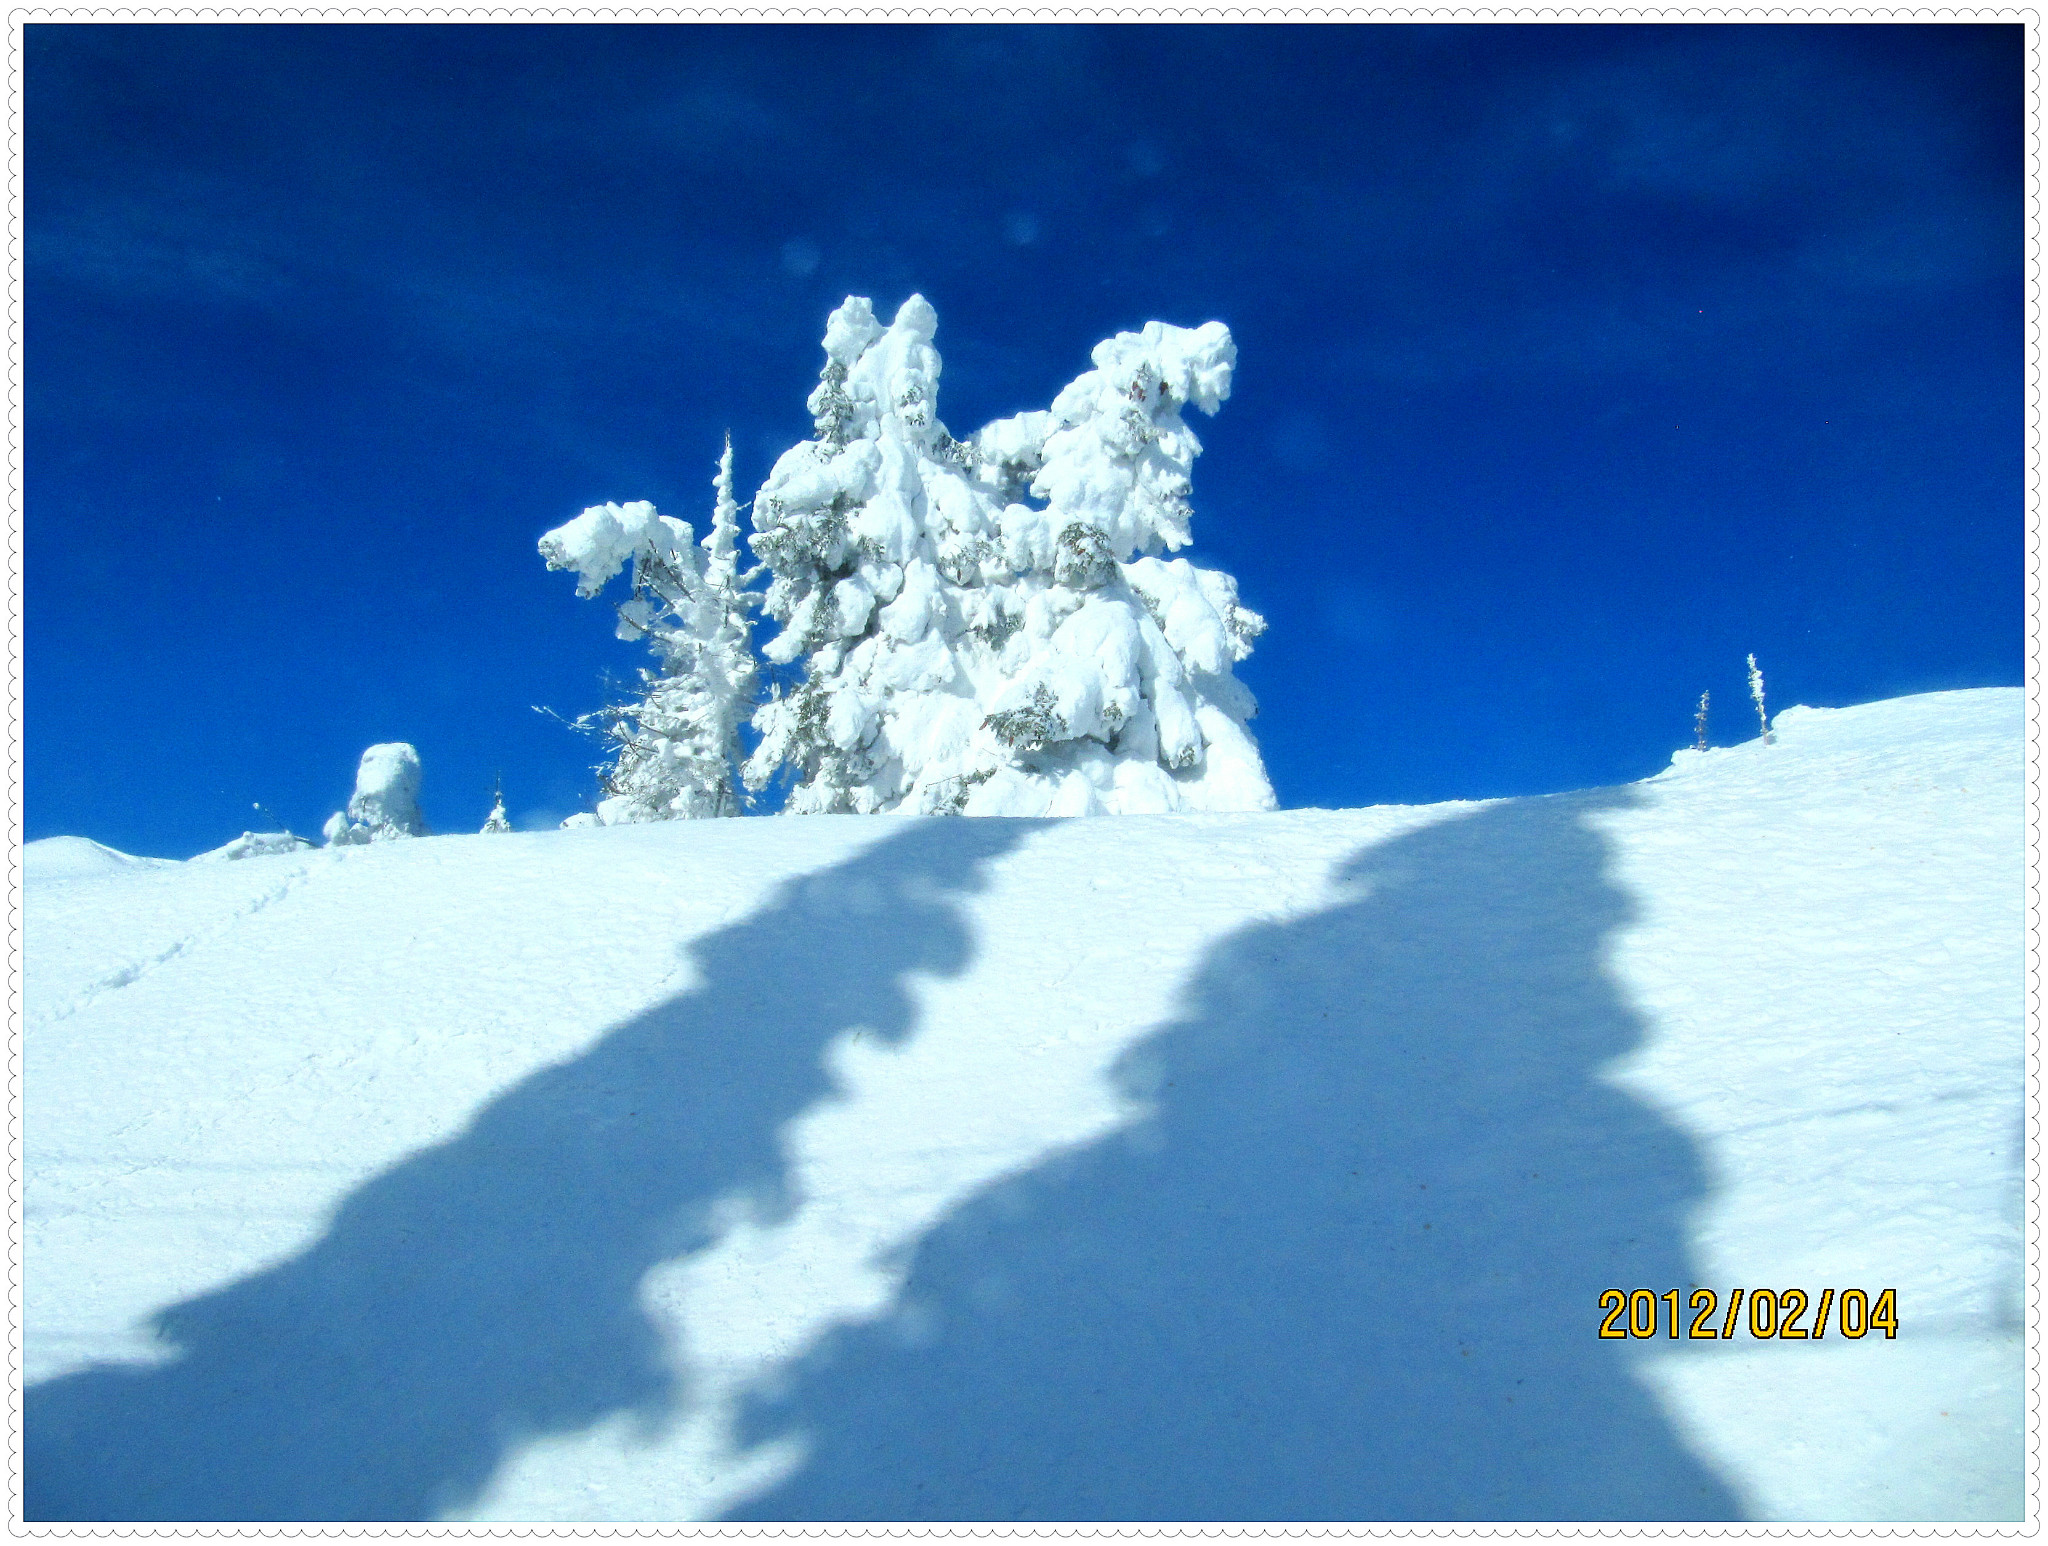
[[69, 858], [1254, 1166]]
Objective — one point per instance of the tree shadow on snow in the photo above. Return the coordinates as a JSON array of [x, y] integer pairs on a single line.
[[1350, 1266], [483, 1292]]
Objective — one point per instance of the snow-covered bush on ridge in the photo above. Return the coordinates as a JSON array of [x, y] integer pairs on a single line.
[[677, 745], [386, 802], [965, 650], [278, 840], [251, 845]]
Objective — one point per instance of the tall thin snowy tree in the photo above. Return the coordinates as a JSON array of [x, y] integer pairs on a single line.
[[676, 747], [1756, 695], [964, 650]]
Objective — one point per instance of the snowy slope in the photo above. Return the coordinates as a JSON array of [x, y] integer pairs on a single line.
[[1237, 1167]]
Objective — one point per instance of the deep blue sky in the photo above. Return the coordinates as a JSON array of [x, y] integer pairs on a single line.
[[1575, 363]]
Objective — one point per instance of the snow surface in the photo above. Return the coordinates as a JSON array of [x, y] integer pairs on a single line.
[[1259, 1166]]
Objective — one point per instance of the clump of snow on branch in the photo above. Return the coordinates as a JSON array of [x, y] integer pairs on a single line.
[[386, 801], [986, 626], [676, 747]]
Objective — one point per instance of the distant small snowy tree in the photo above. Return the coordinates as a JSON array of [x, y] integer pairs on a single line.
[[385, 804], [497, 821], [963, 650], [676, 747]]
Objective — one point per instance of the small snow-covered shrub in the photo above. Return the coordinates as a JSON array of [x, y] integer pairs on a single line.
[[278, 840], [251, 844]]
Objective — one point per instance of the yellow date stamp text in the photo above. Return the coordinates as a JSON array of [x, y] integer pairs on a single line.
[[1765, 1314]]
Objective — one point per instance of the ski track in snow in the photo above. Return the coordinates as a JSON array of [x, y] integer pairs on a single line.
[[134, 971]]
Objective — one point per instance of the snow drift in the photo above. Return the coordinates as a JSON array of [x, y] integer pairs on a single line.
[[1262, 1166]]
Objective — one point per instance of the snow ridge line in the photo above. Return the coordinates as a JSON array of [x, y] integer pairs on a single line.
[[135, 971]]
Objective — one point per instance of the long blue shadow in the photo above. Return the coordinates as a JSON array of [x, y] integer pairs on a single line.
[[1348, 1270], [482, 1292]]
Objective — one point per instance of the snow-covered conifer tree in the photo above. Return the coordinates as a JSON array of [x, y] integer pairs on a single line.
[[874, 537], [677, 745], [1120, 694], [964, 650], [497, 821], [386, 802]]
